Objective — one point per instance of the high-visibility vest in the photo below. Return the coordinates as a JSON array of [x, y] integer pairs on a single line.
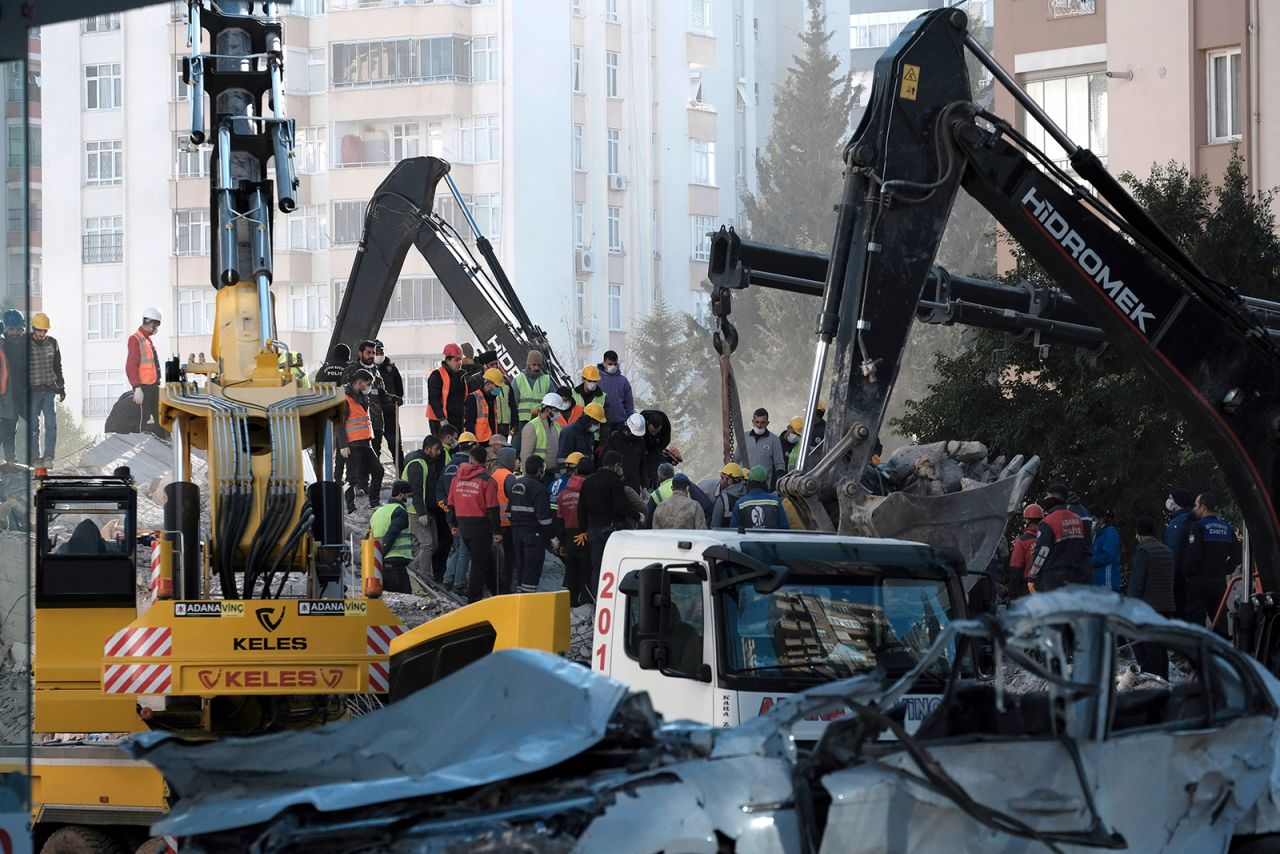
[[579, 403], [359, 423], [299, 375], [663, 492], [504, 513], [529, 395], [446, 380], [4, 372], [483, 431], [540, 445], [148, 361], [380, 522]]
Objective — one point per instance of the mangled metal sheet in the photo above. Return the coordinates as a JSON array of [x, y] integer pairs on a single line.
[[511, 713]]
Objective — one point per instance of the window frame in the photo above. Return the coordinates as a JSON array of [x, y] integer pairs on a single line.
[[112, 83], [575, 68], [615, 307], [96, 308], [702, 158], [112, 156], [1236, 117], [576, 150], [615, 229], [314, 299], [613, 151], [700, 245], [611, 61], [199, 241]]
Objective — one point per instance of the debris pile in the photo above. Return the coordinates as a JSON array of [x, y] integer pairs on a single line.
[[941, 468]]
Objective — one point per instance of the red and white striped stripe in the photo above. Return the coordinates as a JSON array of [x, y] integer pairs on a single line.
[[155, 566], [137, 678], [378, 639], [170, 845], [140, 643], [379, 678]]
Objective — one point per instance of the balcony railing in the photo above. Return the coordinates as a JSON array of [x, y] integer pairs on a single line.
[[99, 407], [103, 248]]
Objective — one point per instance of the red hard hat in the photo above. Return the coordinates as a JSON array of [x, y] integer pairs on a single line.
[[1033, 511], [452, 351]]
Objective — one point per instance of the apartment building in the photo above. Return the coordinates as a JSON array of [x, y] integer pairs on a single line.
[[23, 165], [597, 142]]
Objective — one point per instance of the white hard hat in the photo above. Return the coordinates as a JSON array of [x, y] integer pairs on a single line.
[[635, 423], [151, 313], [553, 400]]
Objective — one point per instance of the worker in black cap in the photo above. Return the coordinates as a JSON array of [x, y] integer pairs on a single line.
[[390, 525], [1179, 506]]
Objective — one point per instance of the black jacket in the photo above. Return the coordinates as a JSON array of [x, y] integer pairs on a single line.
[[399, 522], [423, 475], [654, 445], [377, 391], [603, 502], [1211, 548], [450, 409], [1151, 576], [577, 437], [331, 370], [393, 382], [632, 450], [529, 502]]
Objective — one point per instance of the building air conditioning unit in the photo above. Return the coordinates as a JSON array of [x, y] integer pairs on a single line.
[[586, 261], [617, 182]]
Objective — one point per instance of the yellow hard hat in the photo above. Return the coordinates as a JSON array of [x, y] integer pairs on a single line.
[[467, 436], [40, 320], [495, 376], [591, 374], [822, 406], [732, 470], [574, 458], [595, 412], [796, 424]]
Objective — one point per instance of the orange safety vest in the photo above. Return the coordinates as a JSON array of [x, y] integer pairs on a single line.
[[359, 424], [148, 363], [483, 431], [500, 478], [4, 373], [445, 381]]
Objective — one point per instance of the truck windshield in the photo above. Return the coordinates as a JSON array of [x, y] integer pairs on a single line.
[[833, 616]]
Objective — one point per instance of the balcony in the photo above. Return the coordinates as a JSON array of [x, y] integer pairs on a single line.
[[103, 247], [99, 407]]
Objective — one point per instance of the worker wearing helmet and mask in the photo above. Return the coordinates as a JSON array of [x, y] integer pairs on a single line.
[[479, 410], [13, 359], [142, 369], [541, 435], [44, 368], [447, 390], [1024, 547]]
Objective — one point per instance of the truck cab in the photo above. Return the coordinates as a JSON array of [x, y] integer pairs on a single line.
[[719, 626]]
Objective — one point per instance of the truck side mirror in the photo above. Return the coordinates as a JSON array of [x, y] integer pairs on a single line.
[[652, 600]]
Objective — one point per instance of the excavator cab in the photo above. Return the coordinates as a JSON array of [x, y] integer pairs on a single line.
[[86, 538]]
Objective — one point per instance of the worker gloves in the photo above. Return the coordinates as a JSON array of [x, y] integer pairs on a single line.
[[423, 520], [346, 452], [580, 539], [137, 396]]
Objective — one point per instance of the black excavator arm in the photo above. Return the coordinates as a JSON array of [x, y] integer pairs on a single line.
[[400, 216], [919, 142]]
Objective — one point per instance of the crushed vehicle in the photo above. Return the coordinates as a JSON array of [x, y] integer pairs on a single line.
[[1063, 750]]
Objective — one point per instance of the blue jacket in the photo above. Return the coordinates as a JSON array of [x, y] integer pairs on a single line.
[[620, 404], [1106, 557], [759, 508], [1175, 536]]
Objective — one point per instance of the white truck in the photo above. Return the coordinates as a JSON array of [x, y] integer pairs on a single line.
[[718, 626]]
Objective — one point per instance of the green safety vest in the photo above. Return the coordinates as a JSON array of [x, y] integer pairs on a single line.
[[381, 522], [601, 398], [529, 395], [540, 430], [793, 457], [663, 492]]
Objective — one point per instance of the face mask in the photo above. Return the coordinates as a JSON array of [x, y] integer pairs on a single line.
[[379, 359], [495, 392], [595, 430], [759, 431], [791, 438], [610, 369], [1171, 505], [590, 386]]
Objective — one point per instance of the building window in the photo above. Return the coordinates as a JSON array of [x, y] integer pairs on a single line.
[[1078, 105], [415, 370], [103, 239], [348, 222], [579, 225], [701, 227], [1224, 95], [704, 161], [1071, 8], [304, 8], [740, 162], [421, 299], [613, 150], [615, 230], [392, 61], [446, 208], [103, 162], [181, 90], [481, 139], [309, 307], [737, 30], [195, 310], [576, 68], [484, 59], [406, 141], [615, 307], [101, 391], [611, 11], [191, 161], [486, 210], [446, 59], [879, 29], [576, 8], [702, 308], [101, 24], [610, 74], [311, 150], [192, 232], [18, 146], [102, 87], [577, 148], [104, 316], [308, 227], [700, 16], [580, 302]]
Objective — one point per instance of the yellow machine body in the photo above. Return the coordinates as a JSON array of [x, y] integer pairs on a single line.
[[68, 672], [524, 621]]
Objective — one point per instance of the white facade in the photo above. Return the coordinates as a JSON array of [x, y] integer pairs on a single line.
[[597, 140]]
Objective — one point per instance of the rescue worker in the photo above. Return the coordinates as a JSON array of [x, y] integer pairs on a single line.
[[446, 390], [458, 559], [1180, 507], [392, 397], [628, 440], [1106, 548], [422, 470], [541, 435], [657, 446], [142, 368], [603, 508], [486, 360], [529, 506], [567, 471], [791, 441], [450, 454], [503, 469], [566, 395], [364, 360], [1076, 505], [731, 489], [292, 360], [498, 444], [528, 388], [1023, 551], [664, 489], [617, 389], [586, 392], [678, 510], [1151, 580], [390, 525], [478, 414], [583, 435], [334, 366], [44, 367], [13, 353], [759, 508], [355, 443], [764, 449], [1211, 557], [573, 548], [473, 516], [1059, 543]]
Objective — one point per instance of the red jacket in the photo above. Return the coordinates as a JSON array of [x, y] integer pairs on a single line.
[[567, 499], [133, 363], [1059, 547], [473, 501], [1024, 548]]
